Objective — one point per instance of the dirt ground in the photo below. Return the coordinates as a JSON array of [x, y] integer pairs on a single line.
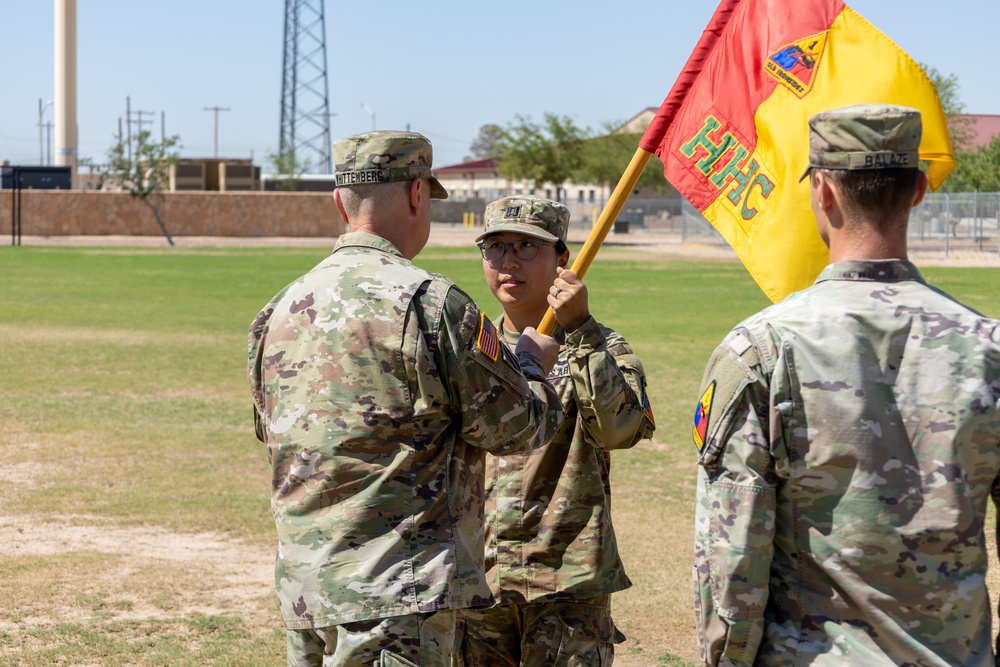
[[241, 574]]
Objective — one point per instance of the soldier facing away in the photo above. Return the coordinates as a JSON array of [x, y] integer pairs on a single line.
[[849, 440], [378, 389], [551, 554]]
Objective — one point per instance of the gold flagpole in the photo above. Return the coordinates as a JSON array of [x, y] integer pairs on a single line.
[[604, 223]]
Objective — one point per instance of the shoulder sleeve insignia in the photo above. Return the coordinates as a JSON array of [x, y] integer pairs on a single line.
[[701, 415], [648, 410], [487, 341]]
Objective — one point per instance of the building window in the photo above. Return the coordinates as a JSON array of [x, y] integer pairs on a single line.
[[593, 196], [548, 193], [579, 196]]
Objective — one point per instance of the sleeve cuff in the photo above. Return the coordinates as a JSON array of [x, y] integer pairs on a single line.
[[587, 337]]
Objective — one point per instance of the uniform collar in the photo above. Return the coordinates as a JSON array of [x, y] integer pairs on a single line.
[[511, 337], [881, 270], [364, 239]]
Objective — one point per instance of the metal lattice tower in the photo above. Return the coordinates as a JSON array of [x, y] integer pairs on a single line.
[[305, 99]]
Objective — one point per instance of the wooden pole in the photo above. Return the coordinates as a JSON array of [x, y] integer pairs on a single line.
[[604, 223]]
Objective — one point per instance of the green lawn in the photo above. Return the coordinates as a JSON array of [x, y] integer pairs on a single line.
[[126, 412]]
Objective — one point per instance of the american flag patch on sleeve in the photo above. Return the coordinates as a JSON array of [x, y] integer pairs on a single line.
[[487, 341]]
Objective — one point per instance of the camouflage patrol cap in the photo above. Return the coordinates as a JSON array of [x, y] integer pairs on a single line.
[[384, 156], [864, 136], [527, 214]]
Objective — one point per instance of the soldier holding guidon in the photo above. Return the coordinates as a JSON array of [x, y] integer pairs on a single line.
[[551, 554]]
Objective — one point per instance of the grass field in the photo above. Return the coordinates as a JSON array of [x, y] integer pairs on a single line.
[[134, 523]]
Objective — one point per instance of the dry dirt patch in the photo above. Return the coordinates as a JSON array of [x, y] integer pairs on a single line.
[[132, 572]]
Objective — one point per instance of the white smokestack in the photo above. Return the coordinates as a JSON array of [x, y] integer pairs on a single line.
[[65, 80]]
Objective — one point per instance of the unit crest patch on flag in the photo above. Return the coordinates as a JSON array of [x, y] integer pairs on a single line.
[[487, 341], [701, 414], [794, 65]]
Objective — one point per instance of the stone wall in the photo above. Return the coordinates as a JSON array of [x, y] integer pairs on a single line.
[[75, 212]]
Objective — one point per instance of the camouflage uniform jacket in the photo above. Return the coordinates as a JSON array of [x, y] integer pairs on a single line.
[[850, 443], [549, 534], [378, 389]]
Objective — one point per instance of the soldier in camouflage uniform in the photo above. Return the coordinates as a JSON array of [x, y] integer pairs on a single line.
[[551, 554], [378, 389], [849, 440]]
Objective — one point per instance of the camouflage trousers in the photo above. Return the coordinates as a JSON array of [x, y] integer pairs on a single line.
[[541, 634], [414, 640]]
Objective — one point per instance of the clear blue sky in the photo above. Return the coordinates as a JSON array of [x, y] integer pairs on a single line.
[[445, 68]]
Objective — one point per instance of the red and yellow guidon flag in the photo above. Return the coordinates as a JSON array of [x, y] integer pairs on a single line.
[[733, 132]]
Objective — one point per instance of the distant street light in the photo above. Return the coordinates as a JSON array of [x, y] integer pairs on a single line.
[[41, 128], [370, 113]]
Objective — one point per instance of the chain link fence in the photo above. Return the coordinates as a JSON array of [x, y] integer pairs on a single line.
[[944, 223], [672, 216], [956, 223]]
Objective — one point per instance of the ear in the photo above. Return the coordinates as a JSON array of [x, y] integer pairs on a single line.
[[922, 184], [824, 190], [564, 259], [419, 189], [340, 207]]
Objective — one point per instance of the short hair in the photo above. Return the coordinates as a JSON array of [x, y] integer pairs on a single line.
[[878, 195], [372, 196], [560, 246]]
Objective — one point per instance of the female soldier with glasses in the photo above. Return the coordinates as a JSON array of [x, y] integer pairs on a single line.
[[551, 555]]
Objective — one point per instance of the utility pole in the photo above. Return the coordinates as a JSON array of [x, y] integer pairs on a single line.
[[41, 129], [128, 126], [48, 143], [217, 109], [139, 122]]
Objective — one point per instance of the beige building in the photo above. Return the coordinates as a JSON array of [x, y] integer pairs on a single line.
[[475, 183]]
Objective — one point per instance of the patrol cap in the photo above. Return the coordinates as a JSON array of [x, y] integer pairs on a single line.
[[529, 215], [384, 156], [865, 136]]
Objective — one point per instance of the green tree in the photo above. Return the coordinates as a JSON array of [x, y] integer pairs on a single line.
[[606, 157], [948, 88], [143, 169], [976, 170], [289, 167], [486, 143], [548, 153]]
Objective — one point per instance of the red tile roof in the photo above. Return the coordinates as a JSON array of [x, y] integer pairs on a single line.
[[484, 165], [983, 128]]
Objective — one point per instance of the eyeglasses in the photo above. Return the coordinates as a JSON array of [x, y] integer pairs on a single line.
[[493, 251]]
